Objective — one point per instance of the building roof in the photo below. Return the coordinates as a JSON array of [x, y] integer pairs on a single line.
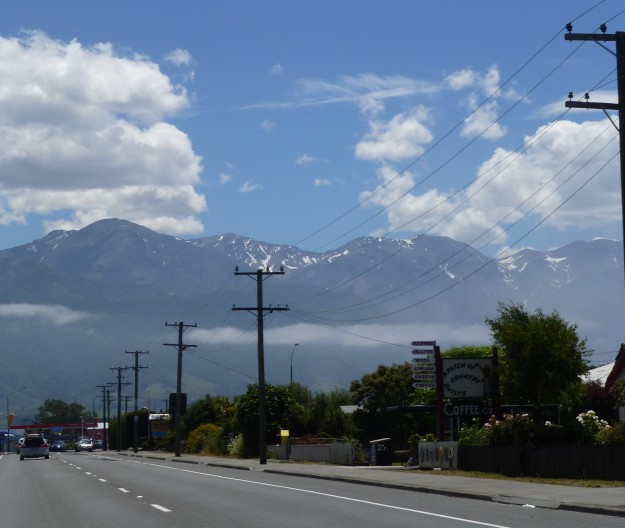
[[608, 374]]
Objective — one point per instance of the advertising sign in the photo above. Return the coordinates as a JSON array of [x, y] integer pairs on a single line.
[[467, 377]]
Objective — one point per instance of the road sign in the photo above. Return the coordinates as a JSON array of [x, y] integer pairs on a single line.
[[423, 385], [423, 343], [423, 377]]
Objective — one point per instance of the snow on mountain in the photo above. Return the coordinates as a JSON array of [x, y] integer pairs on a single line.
[[125, 281]]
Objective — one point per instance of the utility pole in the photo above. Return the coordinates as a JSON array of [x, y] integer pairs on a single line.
[[135, 425], [619, 39], [119, 404], [108, 412], [104, 419], [181, 347], [126, 398], [260, 275]]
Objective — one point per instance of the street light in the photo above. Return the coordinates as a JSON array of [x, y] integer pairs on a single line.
[[292, 351], [8, 435]]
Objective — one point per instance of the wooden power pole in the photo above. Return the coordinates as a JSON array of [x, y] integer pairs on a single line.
[[260, 275]]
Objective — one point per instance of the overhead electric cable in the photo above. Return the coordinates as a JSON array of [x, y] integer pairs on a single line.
[[489, 261]]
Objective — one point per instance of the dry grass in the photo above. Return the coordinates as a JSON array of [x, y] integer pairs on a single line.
[[559, 481]]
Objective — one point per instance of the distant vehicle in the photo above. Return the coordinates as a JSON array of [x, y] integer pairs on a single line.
[[34, 446], [19, 444], [98, 444], [84, 444], [58, 445]]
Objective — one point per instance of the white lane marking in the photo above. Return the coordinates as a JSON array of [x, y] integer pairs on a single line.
[[87, 472], [102, 480], [159, 507], [123, 490], [330, 495]]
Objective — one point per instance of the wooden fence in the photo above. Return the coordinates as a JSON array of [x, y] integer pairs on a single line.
[[568, 461]]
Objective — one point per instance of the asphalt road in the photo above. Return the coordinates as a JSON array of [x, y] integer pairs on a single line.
[[102, 490]]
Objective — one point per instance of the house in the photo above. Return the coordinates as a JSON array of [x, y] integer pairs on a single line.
[[609, 374]]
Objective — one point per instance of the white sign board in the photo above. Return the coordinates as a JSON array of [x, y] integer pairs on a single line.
[[467, 377]]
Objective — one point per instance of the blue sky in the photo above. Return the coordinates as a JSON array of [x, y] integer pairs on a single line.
[[309, 123]]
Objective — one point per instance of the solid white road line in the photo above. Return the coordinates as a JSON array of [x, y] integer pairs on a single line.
[[330, 495]]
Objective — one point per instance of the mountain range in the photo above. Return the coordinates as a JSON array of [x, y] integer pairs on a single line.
[[74, 302]]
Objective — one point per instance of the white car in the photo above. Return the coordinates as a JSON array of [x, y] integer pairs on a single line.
[[84, 444], [34, 446]]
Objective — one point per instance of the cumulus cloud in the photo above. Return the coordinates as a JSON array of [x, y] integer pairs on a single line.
[[85, 137], [54, 315], [539, 184], [403, 137], [481, 101]]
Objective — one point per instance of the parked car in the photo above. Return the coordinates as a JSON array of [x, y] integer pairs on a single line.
[[98, 444], [84, 444], [34, 446], [58, 445], [19, 444]]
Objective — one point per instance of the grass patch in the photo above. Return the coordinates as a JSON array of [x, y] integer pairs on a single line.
[[580, 483]]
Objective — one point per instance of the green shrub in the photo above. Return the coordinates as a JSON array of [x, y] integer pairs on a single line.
[[205, 439], [476, 434], [614, 434], [236, 447]]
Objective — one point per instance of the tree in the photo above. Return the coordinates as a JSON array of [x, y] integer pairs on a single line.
[[58, 411], [209, 409], [277, 403], [541, 356], [389, 387], [468, 352]]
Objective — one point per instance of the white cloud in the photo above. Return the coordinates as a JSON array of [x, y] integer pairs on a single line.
[[268, 124], [179, 57], [321, 182], [483, 122], [306, 159], [404, 136], [83, 130], [55, 315], [536, 182], [277, 69], [349, 336], [557, 107], [368, 91], [225, 178], [249, 186]]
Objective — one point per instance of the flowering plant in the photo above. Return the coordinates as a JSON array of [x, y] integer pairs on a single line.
[[591, 428], [510, 430]]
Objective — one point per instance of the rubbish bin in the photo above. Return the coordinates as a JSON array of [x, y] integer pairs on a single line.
[[381, 453]]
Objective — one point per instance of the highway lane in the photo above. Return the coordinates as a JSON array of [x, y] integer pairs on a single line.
[[109, 490]]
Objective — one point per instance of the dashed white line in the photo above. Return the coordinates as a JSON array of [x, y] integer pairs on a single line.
[[123, 490], [161, 508], [102, 480]]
